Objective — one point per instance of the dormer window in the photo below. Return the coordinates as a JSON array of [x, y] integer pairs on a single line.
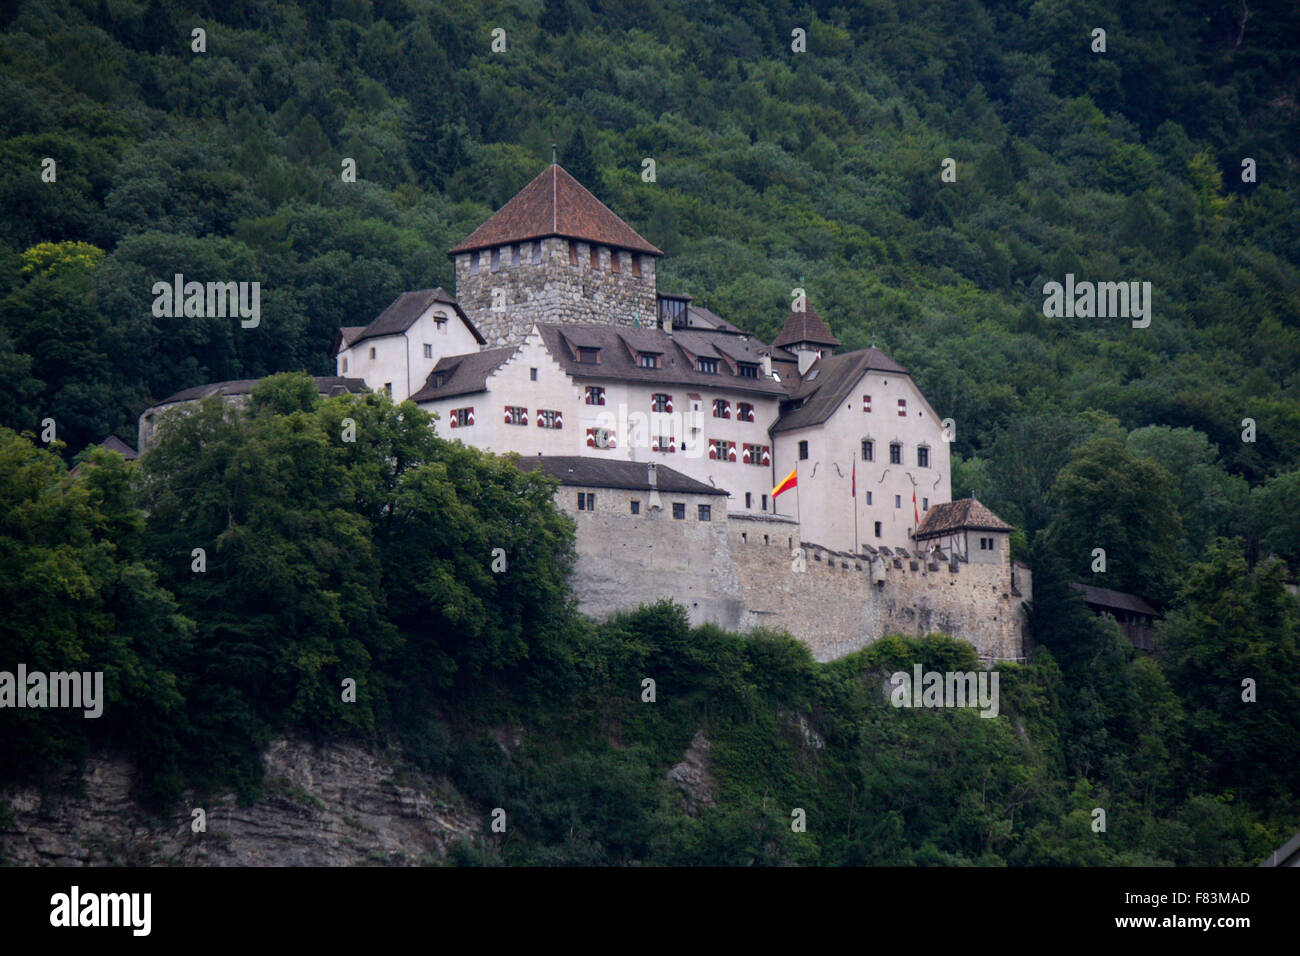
[[588, 356], [439, 379], [649, 360], [747, 369], [709, 366]]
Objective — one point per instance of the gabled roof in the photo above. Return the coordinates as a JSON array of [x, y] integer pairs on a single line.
[[113, 443], [402, 313], [827, 383], [554, 204], [327, 385], [618, 360], [805, 326], [1119, 600], [607, 473], [462, 374], [952, 516]]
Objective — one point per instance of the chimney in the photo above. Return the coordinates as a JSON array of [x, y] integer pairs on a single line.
[[652, 478], [767, 364]]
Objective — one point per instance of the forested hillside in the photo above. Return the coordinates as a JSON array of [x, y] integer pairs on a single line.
[[774, 169]]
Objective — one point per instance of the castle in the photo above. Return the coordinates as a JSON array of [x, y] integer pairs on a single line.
[[669, 428]]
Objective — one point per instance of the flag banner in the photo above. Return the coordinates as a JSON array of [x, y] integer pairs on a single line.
[[854, 490], [790, 481], [916, 514]]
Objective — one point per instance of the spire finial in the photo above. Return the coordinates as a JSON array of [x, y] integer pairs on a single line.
[[552, 154]]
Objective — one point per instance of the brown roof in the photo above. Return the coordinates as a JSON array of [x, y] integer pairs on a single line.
[[608, 473], [327, 385], [827, 383], [951, 516], [555, 204], [805, 326], [618, 347], [462, 374], [1120, 600], [402, 313], [113, 443]]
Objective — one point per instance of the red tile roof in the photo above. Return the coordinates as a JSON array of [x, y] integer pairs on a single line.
[[555, 204]]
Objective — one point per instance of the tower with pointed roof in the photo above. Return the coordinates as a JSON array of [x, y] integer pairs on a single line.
[[553, 254], [807, 336]]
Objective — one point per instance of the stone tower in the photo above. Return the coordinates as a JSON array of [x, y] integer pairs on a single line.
[[554, 253]]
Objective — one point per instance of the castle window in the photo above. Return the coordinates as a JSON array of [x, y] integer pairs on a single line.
[[923, 457], [708, 366], [649, 360], [636, 264], [745, 412], [595, 395], [866, 403], [372, 351], [661, 402], [440, 323], [706, 513], [345, 365], [428, 351], [898, 501], [462, 417], [595, 256], [589, 356], [549, 418], [749, 499], [722, 450], [721, 408], [803, 451], [895, 453], [925, 504], [573, 253], [586, 501], [753, 455], [636, 507], [537, 252], [877, 529], [388, 387], [473, 263], [868, 450], [868, 497], [764, 508], [496, 259], [532, 374], [679, 510], [439, 379], [518, 254], [902, 408], [746, 370], [516, 415], [614, 257]]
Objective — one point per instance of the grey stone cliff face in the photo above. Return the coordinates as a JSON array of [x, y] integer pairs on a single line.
[[334, 806]]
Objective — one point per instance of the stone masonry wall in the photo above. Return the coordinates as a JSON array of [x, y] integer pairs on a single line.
[[626, 560], [553, 290], [738, 573], [837, 607]]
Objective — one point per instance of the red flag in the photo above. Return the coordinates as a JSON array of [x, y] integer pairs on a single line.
[[914, 511], [855, 478]]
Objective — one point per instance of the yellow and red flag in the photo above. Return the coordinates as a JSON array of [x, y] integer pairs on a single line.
[[916, 513], [790, 481]]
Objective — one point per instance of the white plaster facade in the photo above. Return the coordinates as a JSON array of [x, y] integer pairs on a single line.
[[403, 360]]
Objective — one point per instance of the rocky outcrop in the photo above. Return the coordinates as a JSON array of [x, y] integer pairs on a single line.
[[693, 777], [337, 805]]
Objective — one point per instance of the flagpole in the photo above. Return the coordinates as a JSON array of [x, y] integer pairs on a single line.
[[856, 549]]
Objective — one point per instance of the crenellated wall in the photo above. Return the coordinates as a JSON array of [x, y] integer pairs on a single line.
[[740, 573]]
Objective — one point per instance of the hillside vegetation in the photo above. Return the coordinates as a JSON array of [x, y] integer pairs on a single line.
[[774, 170]]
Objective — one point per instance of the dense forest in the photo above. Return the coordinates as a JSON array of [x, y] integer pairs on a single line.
[[132, 156]]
